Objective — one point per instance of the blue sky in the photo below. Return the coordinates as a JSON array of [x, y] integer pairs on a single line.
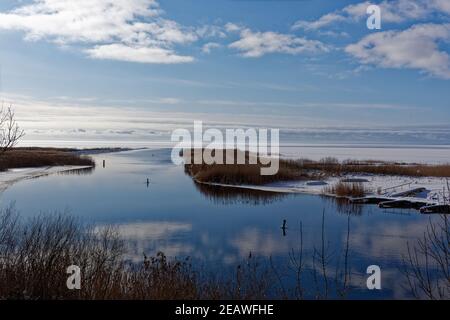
[[103, 68]]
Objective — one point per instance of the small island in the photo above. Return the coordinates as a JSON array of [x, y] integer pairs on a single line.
[[424, 187]]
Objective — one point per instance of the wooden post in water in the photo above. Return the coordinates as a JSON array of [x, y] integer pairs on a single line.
[[104, 163]]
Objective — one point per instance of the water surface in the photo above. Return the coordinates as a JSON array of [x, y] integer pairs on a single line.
[[219, 228]]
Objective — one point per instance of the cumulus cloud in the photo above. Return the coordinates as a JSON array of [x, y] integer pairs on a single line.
[[136, 31], [211, 31], [208, 47], [414, 48], [136, 54], [393, 11], [232, 27], [323, 21], [441, 5], [129, 30], [256, 44]]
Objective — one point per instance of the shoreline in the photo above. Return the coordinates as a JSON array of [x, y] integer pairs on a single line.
[[97, 151], [392, 187], [12, 176]]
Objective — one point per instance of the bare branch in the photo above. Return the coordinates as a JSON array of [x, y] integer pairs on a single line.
[[10, 132]]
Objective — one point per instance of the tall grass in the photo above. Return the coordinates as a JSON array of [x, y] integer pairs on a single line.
[[427, 263], [37, 157], [305, 169], [247, 173], [344, 189], [34, 257], [334, 167]]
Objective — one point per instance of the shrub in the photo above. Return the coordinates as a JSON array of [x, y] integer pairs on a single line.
[[343, 189]]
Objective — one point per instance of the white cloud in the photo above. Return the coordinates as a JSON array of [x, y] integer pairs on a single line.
[[310, 105], [208, 47], [135, 31], [169, 100], [441, 5], [232, 27], [392, 11], [256, 44], [333, 34], [323, 21], [136, 54], [132, 29], [211, 31], [414, 48]]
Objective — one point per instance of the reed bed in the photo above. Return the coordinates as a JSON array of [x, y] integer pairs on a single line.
[[244, 173], [35, 254], [42, 157], [344, 189], [305, 169], [332, 166], [34, 257]]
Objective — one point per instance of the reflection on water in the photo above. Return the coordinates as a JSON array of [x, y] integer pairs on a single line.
[[144, 237], [220, 227], [228, 195], [345, 206], [78, 172]]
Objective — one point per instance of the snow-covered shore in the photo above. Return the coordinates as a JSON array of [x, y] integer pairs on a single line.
[[12, 176], [380, 185]]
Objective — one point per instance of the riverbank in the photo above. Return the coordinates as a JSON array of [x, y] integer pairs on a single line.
[[388, 186], [408, 185], [42, 157], [12, 176], [219, 232], [28, 163]]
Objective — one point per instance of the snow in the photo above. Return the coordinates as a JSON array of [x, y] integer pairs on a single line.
[[379, 185], [12, 176], [409, 154]]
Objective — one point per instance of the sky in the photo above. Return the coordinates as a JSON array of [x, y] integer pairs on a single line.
[[125, 70]]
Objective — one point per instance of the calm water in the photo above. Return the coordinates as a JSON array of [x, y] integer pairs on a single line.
[[219, 229]]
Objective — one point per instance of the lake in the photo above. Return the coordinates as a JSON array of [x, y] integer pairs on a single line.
[[220, 229]]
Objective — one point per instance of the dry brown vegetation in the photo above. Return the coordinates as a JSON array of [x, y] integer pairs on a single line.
[[42, 157], [241, 174], [345, 189], [427, 264], [334, 167], [305, 169], [244, 173], [34, 258]]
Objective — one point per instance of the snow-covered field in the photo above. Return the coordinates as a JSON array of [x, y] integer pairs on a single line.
[[408, 154], [388, 186], [379, 185], [11, 176]]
